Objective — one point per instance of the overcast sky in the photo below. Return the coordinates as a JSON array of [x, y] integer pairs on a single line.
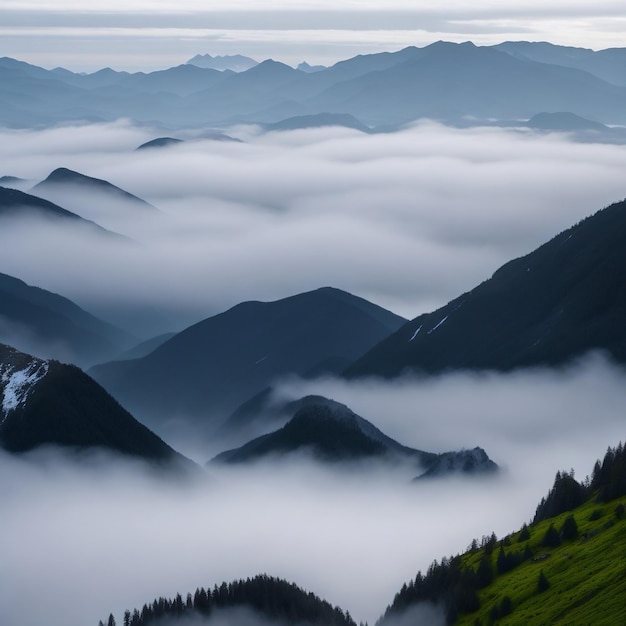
[[151, 34]]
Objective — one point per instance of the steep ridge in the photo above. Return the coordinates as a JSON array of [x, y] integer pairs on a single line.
[[53, 326], [207, 370], [551, 306], [48, 403], [63, 179], [16, 204]]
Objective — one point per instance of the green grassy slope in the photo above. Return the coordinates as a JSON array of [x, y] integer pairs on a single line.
[[587, 576]]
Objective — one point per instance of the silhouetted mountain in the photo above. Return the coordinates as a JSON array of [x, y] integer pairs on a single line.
[[305, 67], [551, 306], [62, 180], [609, 64], [48, 403], [263, 600], [13, 182], [235, 62], [17, 204], [207, 370], [331, 432], [159, 142], [319, 120], [49, 325]]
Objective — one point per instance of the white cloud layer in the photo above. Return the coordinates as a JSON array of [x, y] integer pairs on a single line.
[[408, 220], [105, 536]]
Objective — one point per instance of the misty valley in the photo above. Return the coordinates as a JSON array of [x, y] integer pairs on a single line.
[[317, 346]]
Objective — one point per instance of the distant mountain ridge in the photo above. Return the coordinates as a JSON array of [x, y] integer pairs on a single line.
[[549, 307], [234, 62], [443, 81]]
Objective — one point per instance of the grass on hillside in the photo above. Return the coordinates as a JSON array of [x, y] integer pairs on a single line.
[[587, 576]]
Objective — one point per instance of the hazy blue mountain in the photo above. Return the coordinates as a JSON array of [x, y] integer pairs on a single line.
[[563, 121], [144, 348], [62, 181], [235, 62], [444, 81], [310, 69], [47, 324], [181, 80], [106, 77], [319, 120], [48, 403], [207, 370], [547, 308], [451, 81], [15, 204], [609, 64], [14, 182], [160, 142]]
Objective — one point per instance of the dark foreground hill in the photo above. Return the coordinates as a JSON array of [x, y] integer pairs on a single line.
[[262, 599], [207, 370], [39, 321], [549, 307], [48, 403]]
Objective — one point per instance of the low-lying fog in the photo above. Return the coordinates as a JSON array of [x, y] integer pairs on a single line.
[[81, 540], [408, 220]]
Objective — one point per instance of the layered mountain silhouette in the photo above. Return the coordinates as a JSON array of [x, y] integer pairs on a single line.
[[160, 142], [18, 204], [206, 371], [445, 81], [234, 62], [556, 304], [50, 325], [48, 403], [62, 181], [319, 120], [609, 64], [333, 433]]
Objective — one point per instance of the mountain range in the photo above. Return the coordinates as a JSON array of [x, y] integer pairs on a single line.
[[443, 81], [204, 372], [333, 433], [62, 183]]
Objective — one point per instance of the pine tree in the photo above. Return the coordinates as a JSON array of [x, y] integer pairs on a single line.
[[542, 583]]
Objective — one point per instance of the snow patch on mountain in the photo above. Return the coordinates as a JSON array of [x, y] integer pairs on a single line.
[[438, 325], [18, 383]]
